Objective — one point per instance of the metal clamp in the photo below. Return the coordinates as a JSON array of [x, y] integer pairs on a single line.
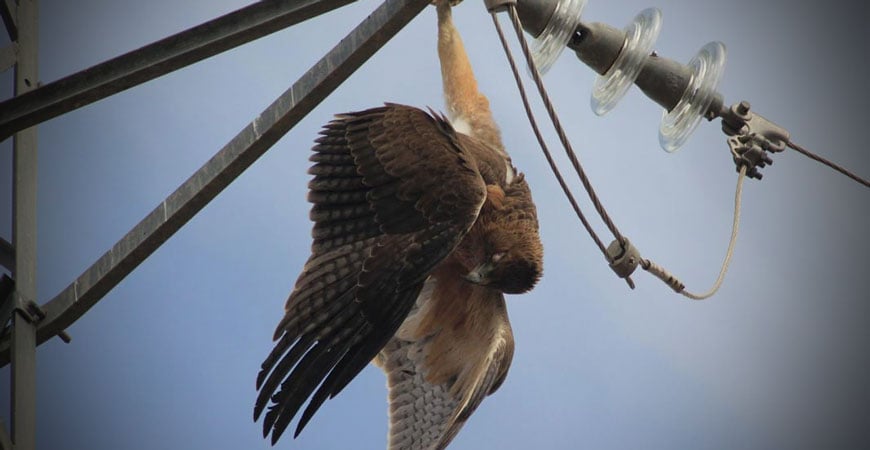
[[748, 151], [624, 257], [751, 136], [11, 302], [37, 314]]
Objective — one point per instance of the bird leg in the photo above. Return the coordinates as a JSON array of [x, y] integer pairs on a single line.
[[467, 107]]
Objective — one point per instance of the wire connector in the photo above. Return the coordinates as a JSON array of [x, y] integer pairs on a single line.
[[662, 274], [749, 151], [750, 137], [624, 257]]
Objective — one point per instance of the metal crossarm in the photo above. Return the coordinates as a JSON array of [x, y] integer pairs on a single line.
[[156, 59]]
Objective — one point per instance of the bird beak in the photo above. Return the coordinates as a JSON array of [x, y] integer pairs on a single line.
[[480, 274]]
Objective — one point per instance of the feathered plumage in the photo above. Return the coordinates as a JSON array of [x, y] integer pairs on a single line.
[[419, 230]]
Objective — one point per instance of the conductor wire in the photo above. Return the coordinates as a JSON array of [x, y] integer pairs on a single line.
[[675, 284], [566, 144], [826, 162], [540, 138], [545, 98]]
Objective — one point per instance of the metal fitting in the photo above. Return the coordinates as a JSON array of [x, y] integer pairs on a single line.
[[534, 14], [747, 151], [624, 257], [751, 136], [597, 45]]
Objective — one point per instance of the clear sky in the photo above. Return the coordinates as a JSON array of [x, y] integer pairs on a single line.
[[779, 359]]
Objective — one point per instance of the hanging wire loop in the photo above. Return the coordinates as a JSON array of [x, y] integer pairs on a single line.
[[587, 185], [677, 285]]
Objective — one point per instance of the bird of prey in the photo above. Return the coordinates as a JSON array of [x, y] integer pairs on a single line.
[[419, 231]]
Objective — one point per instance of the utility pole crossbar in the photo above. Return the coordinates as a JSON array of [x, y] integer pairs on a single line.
[[156, 59]]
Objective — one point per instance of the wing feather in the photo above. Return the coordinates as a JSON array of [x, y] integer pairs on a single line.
[[428, 415], [497, 363], [393, 193]]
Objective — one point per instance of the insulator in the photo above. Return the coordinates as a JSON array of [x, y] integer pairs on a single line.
[[679, 123], [556, 34], [640, 36]]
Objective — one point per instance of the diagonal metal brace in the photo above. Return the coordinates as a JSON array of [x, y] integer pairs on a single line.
[[156, 59], [216, 174], [9, 13]]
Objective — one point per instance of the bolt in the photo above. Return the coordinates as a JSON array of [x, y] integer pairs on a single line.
[[743, 108]]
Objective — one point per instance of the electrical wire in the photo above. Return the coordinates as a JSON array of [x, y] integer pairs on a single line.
[[648, 265], [826, 162], [537, 131], [545, 98], [675, 284]]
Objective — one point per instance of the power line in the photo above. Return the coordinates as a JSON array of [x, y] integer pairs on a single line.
[[827, 162]]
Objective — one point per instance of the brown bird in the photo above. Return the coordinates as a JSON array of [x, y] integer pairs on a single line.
[[419, 230]]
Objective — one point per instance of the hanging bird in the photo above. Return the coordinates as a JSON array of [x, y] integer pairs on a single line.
[[419, 231]]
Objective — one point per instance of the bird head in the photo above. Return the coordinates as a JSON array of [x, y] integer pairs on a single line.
[[512, 269]]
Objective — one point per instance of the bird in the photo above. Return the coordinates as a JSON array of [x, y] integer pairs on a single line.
[[421, 226]]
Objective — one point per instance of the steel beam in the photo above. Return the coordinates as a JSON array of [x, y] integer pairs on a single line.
[[157, 59], [23, 381], [216, 174], [24, 239]]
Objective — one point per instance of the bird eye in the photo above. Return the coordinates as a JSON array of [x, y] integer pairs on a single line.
[[497, 257]]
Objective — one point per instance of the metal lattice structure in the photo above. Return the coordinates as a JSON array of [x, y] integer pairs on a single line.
[[31, 323]]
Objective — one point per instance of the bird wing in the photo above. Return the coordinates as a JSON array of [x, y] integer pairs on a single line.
[[434, 391], [393, 194]]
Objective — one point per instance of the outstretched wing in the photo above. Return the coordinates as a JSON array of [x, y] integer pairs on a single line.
[[434, 391], [393, 194]]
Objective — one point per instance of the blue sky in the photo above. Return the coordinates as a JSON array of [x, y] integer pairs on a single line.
[[777, 359]]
